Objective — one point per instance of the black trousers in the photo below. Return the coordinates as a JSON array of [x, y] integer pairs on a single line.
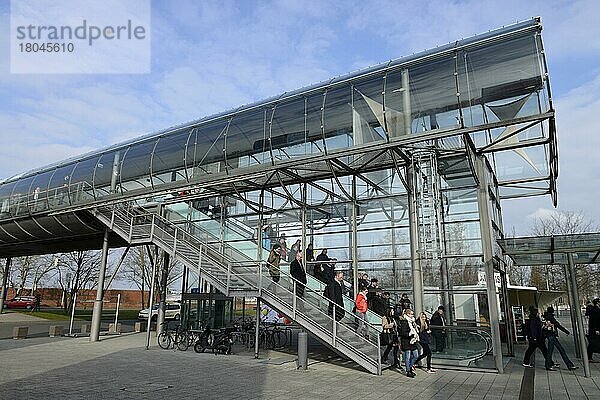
[[440, 340], [426, 353], [538, 344], [386, 353], [554, 343]]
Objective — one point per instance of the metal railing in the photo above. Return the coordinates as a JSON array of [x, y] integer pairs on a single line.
[[307, 307]]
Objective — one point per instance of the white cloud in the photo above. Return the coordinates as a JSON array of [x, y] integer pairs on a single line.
[[542, 213]]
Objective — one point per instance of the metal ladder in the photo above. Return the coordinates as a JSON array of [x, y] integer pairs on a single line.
[[428, 204]]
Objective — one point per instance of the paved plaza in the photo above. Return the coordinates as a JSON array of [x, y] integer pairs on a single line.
[[119, 367]]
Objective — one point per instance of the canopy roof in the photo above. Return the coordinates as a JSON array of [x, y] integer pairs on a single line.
[[547, 250]]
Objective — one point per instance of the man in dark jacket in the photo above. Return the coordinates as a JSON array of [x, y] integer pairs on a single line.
[[594, 329], [535, 337], [551, 334], [405, 302], [323, 271], [333, 291], [438, 322], [299, 273]]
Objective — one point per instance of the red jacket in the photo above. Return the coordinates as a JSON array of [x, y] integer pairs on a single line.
[[361, 303]]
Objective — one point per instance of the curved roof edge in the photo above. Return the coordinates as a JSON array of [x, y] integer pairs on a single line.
[[532, 23]]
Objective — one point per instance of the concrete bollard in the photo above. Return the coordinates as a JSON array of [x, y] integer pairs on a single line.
[[85, 328], [114, 329], [20, 332], [141, 326], [302, 350], [56, 330]]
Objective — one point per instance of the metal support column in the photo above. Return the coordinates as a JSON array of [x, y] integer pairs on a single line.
[[483, 201], [577, 306], [151, 300], [97, 314], [257, 327], [571, 310], [508, 321], [417, 274], [261, 227], [406, 106], [303, 217], [4, 283], [354, 241], [162, 307]]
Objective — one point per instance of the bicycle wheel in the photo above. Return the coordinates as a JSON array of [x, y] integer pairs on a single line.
[[200, 346], [164, 340], [183, 342], [279, 339]]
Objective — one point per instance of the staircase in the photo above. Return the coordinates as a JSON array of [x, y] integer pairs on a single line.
[[244, 246], [224, 267]]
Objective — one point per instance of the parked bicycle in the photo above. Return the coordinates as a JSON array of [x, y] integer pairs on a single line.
[[272, 336], [173, 338]]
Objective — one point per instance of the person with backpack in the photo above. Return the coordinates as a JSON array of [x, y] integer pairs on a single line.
[[535, 336], [273, 263]]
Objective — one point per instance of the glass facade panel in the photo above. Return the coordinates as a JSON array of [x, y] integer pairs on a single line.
[[463, 238], [520, 164], [314, 122], [288, 132], [460, 205], [58, 189], [103, 172], [81, 186], [369, 123], [337, 118], [19, 201], [134, 169], [5, 198], [205, 149], [433, 99], [168, 158], [500, 81], [244, 137], [39, 188]]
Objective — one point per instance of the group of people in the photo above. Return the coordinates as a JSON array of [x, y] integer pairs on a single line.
[[322, 269], [538, 333], [270, 241], [407, 334], [402, 332]]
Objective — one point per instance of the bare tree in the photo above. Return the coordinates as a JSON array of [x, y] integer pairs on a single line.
[[42, 271], [137, 268], [29, 271], [76, 271]]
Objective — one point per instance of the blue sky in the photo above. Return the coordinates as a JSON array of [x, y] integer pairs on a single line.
[[211, 56]]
